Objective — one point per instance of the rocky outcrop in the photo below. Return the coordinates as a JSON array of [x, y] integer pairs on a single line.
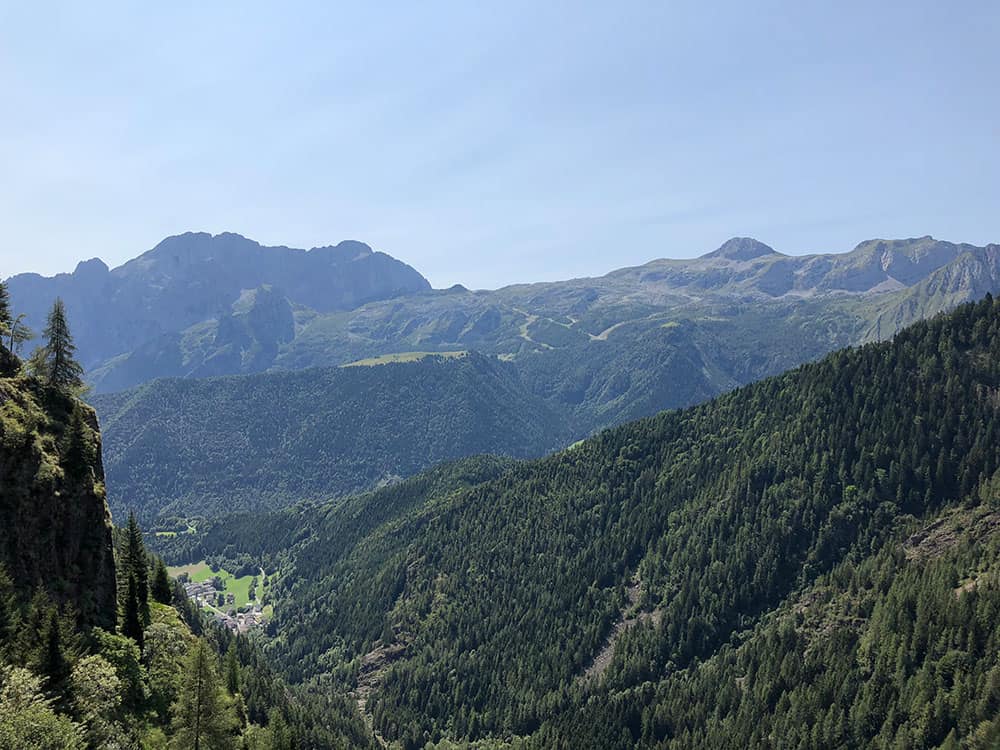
[[55, 528], [742, 248]]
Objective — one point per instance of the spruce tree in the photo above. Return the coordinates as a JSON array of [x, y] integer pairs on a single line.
[[281, 735], [59, 367], [30, 638], [53, 663], [161, 589], [9, 615], [132, 625], [203, 717], [79, 450], [137, 565], [232, 669]]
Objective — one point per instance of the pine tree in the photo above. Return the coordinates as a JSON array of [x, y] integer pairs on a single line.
[[132, 626], [59, 368], [203, 718], [161, 589]]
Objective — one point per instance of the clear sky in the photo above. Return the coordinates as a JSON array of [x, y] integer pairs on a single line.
[[489, 143]]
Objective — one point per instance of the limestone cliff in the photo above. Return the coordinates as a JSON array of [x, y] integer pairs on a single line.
[[55, 528]]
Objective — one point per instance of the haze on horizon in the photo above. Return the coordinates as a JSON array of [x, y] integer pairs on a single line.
[[493, 146]]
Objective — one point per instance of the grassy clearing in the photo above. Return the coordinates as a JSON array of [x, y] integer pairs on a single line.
[[386, 359], [189, 529], [197, 572], [200, 571]]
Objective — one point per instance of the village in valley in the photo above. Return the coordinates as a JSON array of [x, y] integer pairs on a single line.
[[234, 602]]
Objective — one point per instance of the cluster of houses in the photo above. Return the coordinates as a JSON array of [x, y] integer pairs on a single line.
[[201, 593], [241, 622], [205, 595]]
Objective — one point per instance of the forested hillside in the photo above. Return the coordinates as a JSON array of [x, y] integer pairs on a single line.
[[204, 447], [97, 648], [805, 562]]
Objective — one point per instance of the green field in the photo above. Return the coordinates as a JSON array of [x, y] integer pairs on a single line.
[[386, 359], [190, 530], [200, 571]]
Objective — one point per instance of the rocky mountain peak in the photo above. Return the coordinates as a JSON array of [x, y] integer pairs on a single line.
[[95, 267], [742, 248]]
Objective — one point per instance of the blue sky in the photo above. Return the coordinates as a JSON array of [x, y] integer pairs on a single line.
[[490, 143]]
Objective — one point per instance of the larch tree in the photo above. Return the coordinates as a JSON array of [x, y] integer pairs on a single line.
[[13, 331], [19, 333], [202, 715], [55, 362]]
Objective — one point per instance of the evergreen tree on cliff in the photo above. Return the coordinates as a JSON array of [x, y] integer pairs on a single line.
[[13, 331], [54, 664], [132, 624], [161, 590], [6, 317], [54, 362], [137, 566]]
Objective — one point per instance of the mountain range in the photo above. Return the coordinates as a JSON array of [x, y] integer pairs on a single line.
[[574, 356], [199, 285], [199, 305]]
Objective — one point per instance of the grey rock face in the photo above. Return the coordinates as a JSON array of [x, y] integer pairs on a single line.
[[196, 277]]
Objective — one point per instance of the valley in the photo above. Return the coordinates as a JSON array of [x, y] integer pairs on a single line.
[[234, 602], [774, 526], [453, 376], [654, 584]]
